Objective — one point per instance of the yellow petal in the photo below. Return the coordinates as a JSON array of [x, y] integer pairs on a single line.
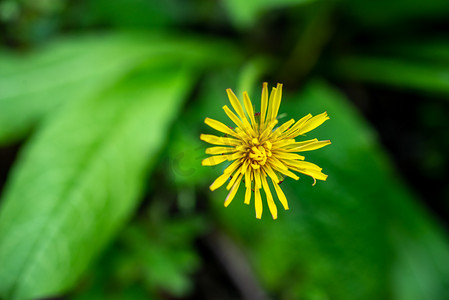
[[270, 106], [289, 174], [276, 101], [313, 123], [270, 201], [268, 129], [271, 173], [280, 194], [220, 127], [215, 140], [286, 155], [220, 150], [291, 147], [264, 104], [279, 166], [219, 182], [235, 156], [233, 191], [302, 165], [312, 146], [292, 131], [257, 182], [235, 104], [282, 143], [214, 160], [282, 128], [245, 126], [248, 195], [245, 165], [232, 167], [236, 176], [277, 163], [249, 108], [258, 204]]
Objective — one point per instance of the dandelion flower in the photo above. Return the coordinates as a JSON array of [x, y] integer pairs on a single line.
[[259, 151]]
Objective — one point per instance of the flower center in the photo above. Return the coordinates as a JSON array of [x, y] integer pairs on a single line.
[[259, 153]]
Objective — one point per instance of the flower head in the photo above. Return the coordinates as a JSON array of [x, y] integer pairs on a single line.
[[260, 151]]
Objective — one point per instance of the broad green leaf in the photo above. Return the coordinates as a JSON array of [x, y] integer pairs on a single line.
[[245, 13], [76, 68], [80, 178], [421, 76], [359, 235]]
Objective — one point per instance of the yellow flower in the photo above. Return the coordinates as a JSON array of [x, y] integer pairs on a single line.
[[259, 150]]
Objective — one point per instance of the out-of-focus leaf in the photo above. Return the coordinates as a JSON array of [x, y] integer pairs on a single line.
[[245, 13], [433, 51], [80, 178], [359, 235], [154, 253], [386, 13], [73, 69], [430, 78], [133, 13]]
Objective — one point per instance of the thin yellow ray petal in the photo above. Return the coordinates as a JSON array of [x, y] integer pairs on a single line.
[[235, 156], [257, 182], [248, 195], [248, 178], [215, 140], [231, 168], [277, 163], [271, 173], [264, 104], [234, 179], [245, 165], [292, 146], [249, 108], [282, 143], [214, 160], [220, 150], [245, 126], [282, 128], [236, 104], [281, 195], [219, 182], [268, 130], [233, 191], [313, 123], [287, 155], [289, 174], [291, 132], [233, 117], [302, 165], [276, 101], [315, 174], [270, 106], [312, 146], [258, 204], [270, 201], [217, 125], [279, 166]]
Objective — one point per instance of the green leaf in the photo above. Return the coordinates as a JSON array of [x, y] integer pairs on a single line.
[[80, 178], [76, 68], [245, 13], [359, 235], [396, 14], [400, 73]]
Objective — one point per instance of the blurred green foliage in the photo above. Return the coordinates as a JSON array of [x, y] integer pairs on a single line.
[[107, 198]]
